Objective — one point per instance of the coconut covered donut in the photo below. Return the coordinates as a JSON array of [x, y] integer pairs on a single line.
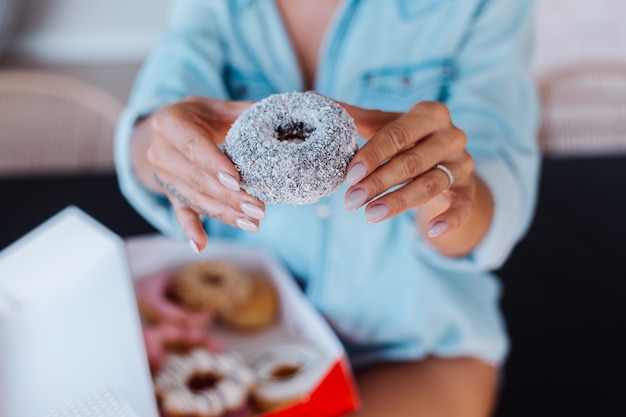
[[292, 148]]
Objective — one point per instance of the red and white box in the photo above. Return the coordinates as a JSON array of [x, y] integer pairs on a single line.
[[71, 331], [326, 388]]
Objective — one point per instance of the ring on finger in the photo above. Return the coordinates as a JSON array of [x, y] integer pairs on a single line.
[[448, 173]]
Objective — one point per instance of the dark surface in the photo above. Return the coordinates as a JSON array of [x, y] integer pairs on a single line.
[[28, 202], [564, 285], [565, 296]]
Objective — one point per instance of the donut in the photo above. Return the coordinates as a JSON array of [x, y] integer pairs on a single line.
[[286, 373], [202, 383], [292, 148], [156, 303], [259, 311], [214, 287], [166, 338]]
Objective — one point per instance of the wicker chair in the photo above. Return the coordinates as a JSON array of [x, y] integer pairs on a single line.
[[584, 111], [53, 124]]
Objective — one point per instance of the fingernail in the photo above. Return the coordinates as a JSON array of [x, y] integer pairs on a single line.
[[376, 213], [253, 211], [437, 229], [247, 225], [355, 199], [194, 246], [356, 173], [228, 181]]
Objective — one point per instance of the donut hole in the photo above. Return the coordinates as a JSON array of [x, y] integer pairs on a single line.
[[212, 280], [293, 132], [284, 371], [170, 295], [177, 347], [203, 381]]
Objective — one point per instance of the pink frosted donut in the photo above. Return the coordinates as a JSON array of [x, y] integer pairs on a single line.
[[156, 306], [292, 147], [166, 338]]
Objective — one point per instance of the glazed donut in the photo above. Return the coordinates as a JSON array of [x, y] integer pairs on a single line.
[[292, 147], [214, 287], [259, 311], [287, 373], [204, 384]]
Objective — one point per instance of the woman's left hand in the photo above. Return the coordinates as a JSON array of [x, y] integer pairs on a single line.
[[409, 160]]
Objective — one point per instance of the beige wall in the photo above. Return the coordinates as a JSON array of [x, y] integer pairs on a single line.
[[569, 32], [80, 31], [115, 35]]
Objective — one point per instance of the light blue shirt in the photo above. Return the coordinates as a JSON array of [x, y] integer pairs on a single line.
[[383, 289]]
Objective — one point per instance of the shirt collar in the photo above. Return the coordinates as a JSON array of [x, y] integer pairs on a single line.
[[406, 8]]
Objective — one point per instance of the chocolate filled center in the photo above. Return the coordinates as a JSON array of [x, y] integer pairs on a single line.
[[200, 382], [285, 371], [213, 280], [294, 132]]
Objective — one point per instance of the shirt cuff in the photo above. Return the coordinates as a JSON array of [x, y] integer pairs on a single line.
[[156, 209], [505, 229]]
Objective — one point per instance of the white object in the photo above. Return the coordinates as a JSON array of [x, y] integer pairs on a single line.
[[68, 320], [101, 403]]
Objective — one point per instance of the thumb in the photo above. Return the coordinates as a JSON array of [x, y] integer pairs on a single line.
[[368, 121]]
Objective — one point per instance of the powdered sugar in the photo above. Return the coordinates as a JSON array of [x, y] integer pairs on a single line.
[[292, 148]]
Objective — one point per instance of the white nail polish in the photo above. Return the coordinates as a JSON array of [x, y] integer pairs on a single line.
[[355, 199], [437, 229], [253, 211], [194, 246], [247, 225], [356, 173], [376, 213], [228, 181]]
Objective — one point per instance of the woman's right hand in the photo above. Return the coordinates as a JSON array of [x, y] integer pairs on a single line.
[[175, 152]]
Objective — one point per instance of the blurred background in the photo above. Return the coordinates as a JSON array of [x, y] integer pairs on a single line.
[[66, 69]]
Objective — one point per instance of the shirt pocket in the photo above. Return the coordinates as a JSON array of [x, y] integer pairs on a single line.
[[398, 88], [246, 85]]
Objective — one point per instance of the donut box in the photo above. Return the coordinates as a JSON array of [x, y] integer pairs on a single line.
[[71, 332], [294, 366]]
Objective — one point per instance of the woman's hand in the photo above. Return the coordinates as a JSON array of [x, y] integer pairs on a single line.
[[419, 159], [175, 152]]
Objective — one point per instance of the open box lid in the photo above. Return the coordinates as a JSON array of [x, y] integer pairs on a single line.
[[69, 323]]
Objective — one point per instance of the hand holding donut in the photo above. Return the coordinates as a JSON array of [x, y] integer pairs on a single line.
[[175, 152], [423, 154]]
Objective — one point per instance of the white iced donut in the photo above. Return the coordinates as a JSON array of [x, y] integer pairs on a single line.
[[287, 373], [292, 147], [203, 384]]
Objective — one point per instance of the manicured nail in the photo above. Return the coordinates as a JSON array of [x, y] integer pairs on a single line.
[[355, 199], [356, 173], [437, 229], [194, 246], [253, 211], [247, 225], [228, 181], [376, 213]]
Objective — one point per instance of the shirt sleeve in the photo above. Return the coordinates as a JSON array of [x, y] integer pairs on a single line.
[[188, 60], [493, 99]]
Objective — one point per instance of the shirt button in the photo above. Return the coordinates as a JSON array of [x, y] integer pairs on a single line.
[[323, 211]]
